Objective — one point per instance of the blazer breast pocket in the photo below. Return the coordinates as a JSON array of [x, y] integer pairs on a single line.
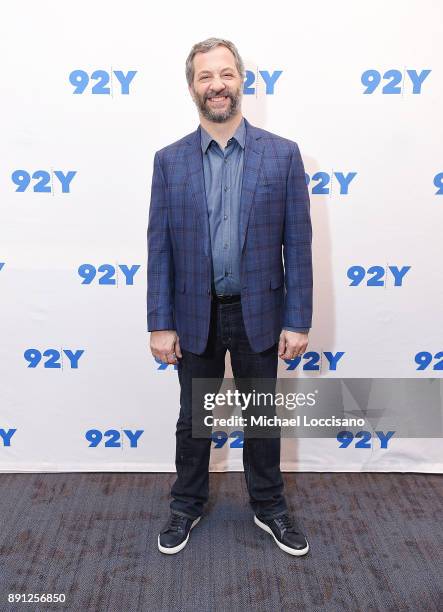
[[267, 188], [269, 183]]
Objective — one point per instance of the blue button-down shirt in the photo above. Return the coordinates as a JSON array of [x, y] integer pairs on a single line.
[[223, 172]]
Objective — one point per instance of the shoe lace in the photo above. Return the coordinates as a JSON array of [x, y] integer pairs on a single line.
[[176, 522], [285, 523]]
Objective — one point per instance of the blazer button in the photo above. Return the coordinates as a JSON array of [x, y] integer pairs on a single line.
[[209, 292]]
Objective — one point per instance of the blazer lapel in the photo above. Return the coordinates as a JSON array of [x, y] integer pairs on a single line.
[[251, 170], [251, 166], [194, 157]]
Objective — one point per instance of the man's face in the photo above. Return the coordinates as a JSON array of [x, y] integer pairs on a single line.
[[217, 88]]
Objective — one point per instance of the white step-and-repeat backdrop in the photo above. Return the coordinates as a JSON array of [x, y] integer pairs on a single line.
[[89, 92]]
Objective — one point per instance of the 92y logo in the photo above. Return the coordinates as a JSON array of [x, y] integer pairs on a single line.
[[424, 359], [323, 182], [114, 437], [377, 276], [6, 436], [54, 358], [109, 273], [45, 182], [102, 82], [252, 84], [364, 439], [315, 361], [438, 182], [394, 81]]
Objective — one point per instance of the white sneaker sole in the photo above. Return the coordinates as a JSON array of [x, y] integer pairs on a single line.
[[292, 551], [176, 549]]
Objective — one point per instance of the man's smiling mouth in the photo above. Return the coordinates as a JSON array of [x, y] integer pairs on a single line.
[[218, 99]]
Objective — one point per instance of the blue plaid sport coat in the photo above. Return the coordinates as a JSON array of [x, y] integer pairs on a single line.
[[275, 239]]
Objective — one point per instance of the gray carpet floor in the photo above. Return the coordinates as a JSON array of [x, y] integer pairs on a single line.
[[376, 544]]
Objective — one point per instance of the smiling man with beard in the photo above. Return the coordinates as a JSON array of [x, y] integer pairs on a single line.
[[220, 102], [224, 201]]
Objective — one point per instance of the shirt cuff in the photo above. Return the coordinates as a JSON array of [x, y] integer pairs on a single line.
[[300, 330]]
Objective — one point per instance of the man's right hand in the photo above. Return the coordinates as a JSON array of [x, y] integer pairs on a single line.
[[165, 346]]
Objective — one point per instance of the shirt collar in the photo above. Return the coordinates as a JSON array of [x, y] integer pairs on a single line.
[[239, 135]]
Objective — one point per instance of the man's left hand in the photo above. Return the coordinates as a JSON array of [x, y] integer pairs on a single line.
[[292, 344]]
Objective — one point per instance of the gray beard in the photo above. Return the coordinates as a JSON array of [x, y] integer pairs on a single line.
[[219, 117]]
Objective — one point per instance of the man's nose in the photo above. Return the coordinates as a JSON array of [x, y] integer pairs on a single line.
[[217, 85]]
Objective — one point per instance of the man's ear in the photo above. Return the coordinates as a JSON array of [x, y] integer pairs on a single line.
[[191, 91]]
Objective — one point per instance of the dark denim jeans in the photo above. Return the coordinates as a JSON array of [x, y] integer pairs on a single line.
[[261, 456]]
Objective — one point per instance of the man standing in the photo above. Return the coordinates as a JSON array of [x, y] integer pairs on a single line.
[[225, 199]]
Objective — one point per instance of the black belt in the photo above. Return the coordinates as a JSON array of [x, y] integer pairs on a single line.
[[227, 298]]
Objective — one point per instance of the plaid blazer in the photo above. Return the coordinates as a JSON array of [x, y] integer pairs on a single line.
[[274, 222]]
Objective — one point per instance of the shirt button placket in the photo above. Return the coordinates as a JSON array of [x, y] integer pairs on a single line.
[[226, 226]]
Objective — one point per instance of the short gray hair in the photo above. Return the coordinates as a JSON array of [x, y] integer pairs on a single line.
[[207, 45]]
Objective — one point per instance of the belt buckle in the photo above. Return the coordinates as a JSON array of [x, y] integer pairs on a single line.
[[226, 298]]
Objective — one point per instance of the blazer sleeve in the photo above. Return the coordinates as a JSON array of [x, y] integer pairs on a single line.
[[160, 277], [297, 247]]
